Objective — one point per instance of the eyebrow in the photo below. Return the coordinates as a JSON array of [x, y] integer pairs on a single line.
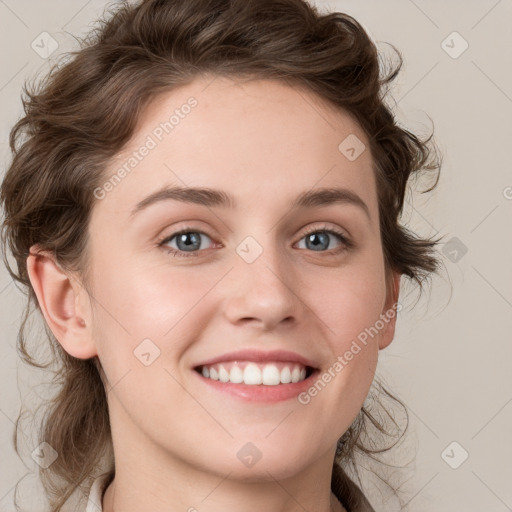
[[217, 198]]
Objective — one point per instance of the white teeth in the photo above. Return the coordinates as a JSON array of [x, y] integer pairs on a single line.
[[236, 376], [271, 376], [254, 374], [223, 374], [286, 375]]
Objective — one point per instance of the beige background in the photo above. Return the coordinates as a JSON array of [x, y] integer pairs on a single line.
[[451, 359]]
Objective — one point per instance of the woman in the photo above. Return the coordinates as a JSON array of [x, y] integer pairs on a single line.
[[205, 211]]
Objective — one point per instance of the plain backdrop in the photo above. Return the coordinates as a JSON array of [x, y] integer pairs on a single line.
[[451, 358]]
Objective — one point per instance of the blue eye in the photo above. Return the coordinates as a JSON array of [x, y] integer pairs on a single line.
[[189, 241], [318, 240]]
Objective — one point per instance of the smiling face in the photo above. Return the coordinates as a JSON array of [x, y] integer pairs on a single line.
[[269, 262]]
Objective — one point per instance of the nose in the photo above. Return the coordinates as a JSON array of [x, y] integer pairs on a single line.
[[262, 292]]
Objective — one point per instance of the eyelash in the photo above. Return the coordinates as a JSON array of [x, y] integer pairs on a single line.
[[346, 243]]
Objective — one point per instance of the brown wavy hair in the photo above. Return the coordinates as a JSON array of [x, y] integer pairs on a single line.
[[85, 110]]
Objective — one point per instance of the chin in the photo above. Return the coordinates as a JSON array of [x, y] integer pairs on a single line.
[[249, 463]]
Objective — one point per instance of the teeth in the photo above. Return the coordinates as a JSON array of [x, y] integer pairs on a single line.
[[252, 374], [286, 375], [223, 374], [271, 376], [236, 375]]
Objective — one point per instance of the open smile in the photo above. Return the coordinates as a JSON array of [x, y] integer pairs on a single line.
[[256, 376]]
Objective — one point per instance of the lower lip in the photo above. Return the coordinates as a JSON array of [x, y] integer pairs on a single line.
[[260, 392]]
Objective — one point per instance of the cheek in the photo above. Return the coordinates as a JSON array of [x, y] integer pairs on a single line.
[[148, 300], [348, 301], [146, 310], [347, 312], [143, 327], [349, 304]]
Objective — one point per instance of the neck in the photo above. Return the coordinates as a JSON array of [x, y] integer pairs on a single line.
[[109, 503], [138, 487], [148, 477]]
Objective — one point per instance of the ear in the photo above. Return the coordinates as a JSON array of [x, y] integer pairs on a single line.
[[63, 302], [390, 310]]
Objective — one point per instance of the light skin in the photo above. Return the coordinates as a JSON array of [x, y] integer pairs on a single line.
[[176, 438]]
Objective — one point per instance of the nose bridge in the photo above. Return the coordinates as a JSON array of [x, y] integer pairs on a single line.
[[261, 282]]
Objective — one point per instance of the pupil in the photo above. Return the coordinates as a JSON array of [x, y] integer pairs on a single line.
[[314, 239], [193, 243]]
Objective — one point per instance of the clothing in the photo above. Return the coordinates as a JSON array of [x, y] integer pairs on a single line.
[[98, 488]]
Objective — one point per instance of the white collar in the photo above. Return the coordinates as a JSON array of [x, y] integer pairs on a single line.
[[95, 494]]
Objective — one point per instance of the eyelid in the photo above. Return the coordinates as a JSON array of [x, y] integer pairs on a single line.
[[346, 240], [167, 238], [325, 227]]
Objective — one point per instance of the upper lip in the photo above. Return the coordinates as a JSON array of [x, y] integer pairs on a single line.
[[259, 356]]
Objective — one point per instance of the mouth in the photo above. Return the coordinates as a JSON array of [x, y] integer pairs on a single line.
[[251, 373], [254, 375], [257, 379]]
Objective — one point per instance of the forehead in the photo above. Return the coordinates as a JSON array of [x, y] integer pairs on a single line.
[[245, 137]]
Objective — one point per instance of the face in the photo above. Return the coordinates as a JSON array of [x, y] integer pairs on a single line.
[[268, 279]]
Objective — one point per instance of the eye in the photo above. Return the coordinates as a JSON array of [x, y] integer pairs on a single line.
[[187, 241], [319, 240]]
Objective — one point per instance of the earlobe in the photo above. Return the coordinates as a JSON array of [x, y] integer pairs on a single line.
[[390, 310], [58, 296]]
